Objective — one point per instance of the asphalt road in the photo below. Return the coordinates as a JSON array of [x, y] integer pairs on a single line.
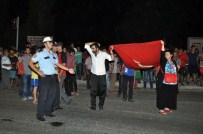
[[118, 117]]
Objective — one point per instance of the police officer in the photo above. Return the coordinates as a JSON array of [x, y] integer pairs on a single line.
[[47, 81]]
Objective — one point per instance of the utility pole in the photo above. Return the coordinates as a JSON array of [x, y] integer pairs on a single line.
[[17, 32]]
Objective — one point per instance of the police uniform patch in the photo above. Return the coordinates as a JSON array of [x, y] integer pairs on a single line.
[[46, 57]]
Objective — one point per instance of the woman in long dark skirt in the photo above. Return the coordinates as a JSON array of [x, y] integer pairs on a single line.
[[166, 90]]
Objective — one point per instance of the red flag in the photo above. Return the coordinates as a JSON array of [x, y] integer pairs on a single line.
[[139, 55]]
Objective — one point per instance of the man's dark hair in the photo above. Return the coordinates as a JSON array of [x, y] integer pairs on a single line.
[[27, 48], [71, 50], [102, 48], [34, 49], [192, 46], [170, 51], [13, 50], [5, 50], [60, 44], [95, 44]]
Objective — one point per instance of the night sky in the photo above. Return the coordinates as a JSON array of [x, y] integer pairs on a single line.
[[107, 21]]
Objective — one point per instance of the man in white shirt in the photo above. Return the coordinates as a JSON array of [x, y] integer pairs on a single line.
[[98, 77], [6, 66]]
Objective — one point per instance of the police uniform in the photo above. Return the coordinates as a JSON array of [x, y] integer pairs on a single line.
[[47, 84]]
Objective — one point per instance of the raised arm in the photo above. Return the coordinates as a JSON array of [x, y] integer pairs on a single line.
[[163, 46], [162, 57], [87, 47], [112, 55]]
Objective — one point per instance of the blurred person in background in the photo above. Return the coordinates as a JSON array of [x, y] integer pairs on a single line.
[[201, 68], [35, 78], [62, 73], [27, 89], [5, 68], [88, 64], [183, 68], [193, 67], [13, 71], [78, 59]]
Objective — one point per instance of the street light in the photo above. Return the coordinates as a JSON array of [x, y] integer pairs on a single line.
[[15, 25]]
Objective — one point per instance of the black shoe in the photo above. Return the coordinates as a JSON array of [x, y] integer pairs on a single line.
[[101, 108], [58, 108], [188, 83], [70, 100], [20, 95], [92, 108], [41, 118], [11, 90], [124, 99], [131, 100], [51, 115], [145, 85]]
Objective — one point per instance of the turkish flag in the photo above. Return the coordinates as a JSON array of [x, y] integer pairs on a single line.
[[139, 55]]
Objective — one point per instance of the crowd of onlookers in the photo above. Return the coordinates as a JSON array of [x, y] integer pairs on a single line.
[[15, 71]]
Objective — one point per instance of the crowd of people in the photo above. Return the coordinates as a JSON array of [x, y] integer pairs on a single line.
[[58, 67]]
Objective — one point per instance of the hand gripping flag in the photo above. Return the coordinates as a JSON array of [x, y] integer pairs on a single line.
[[139, 55]]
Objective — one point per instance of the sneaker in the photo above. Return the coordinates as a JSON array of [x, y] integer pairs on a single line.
[[50, 115], [91, 108], [124, 99], [41, 118], [58, 108], [24, 99], [30, 98], [101, 108], [69, 100], [131, 100]]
